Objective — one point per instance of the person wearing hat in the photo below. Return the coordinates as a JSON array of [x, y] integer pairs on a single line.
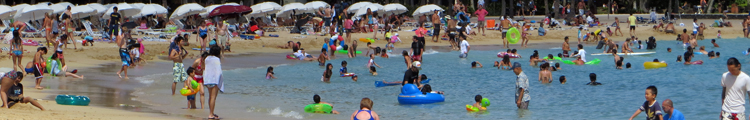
[[522, 87]]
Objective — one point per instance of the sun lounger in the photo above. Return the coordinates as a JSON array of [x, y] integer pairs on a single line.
[[90, 31]]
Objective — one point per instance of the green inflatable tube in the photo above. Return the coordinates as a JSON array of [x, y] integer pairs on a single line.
[[568, 62], [593, 62], [554, 58], [345, 52], [513, 31], [49, 66], [318, 108]]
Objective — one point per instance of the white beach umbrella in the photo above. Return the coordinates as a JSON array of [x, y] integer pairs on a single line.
[[6, 12], [108, 6], [124, 9], [208, 10], [100, 9], [394, 8], [60, 7], [356, 6], [286, 10], [372, 7], [82, 11], [151, 9], [315, 5], [32, 12], [231, 3], [185, 10], [426, 10], [265, 8], [138, 5], [19, 7]]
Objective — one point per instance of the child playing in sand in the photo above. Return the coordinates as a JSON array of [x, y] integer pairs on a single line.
[[134, 51], [652, 108], [269, 73], [372, 65], [190, 98]]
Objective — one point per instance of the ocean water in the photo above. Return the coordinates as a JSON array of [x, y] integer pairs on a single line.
[[694, 89]]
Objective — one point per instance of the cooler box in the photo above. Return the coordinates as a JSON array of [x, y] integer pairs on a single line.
[[490, 23]]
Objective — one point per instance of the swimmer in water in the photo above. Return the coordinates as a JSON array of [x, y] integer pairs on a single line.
[[407, 59], [578, 61], [713, 41], [323, 57], [316, 99], [627, 65], [670, 49], [545, 75], [372, 65], [688, 57], [550, 57], [327, 74], [514, 52], [563, 79], [557, 67], [679, 58], [343, 69], [269, 73], [478, 103], [354, 78], [475, 63], [702, 49], [384, 54], [619, 63], [593, 82], [711, 55], [505, 63]]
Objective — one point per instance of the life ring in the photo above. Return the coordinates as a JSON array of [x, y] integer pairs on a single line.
[[471, 108], [513, 31], [501, 54], [653, 65], [72, 100], [291, 57], [698, 53], [318, 108], [187, 92], [410, 94], [347, 74], [48, 65], [367, 40]]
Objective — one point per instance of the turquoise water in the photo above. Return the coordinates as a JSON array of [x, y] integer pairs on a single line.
[[695, 89]]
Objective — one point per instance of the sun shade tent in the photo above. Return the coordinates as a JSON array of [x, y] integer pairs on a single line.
[[100, 9], [82, 11], [124, 9], [186, 10]]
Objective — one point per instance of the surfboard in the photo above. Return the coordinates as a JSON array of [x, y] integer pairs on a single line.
[[635, 53]]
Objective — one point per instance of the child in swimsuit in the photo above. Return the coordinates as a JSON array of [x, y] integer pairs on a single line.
[[190, 98], [269, 73]]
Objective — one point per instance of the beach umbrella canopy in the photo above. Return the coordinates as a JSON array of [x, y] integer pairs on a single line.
[[372, 7], [19, 7], [426, 10], [185, 10], [265, 8], [208, 10], [291, 8], [82, 11], [60, 7], [356, 6], [231, 4], [138, 5], [230, 9], [151, 9], [124, 9], [315, 5], [394, 8], [100, 9], [110, 5], [32, 12], [6, 12]]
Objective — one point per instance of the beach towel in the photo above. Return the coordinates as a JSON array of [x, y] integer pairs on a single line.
[[212, 73]]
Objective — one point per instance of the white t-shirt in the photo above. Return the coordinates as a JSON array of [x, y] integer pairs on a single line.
[[582, 53], [464, 44], [299, 54], [695, 27], [736, 87], [136, 52]]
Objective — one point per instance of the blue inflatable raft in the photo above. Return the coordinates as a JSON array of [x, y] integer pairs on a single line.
[[383, 84], [72, 100], [410, 94]]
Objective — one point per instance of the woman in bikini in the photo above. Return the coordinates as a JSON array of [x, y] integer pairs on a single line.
[[198, 65], [16, 45], [365, 111], [69, 28]]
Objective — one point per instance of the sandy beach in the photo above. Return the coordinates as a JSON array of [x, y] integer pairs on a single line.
[[104, 56]]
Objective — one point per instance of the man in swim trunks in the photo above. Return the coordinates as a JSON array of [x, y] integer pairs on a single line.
[[124, 54], [436, 25], [522, 87], [505, 24], [221, 35], [177, 55], [37, 68], [685, 38], [566, 47], [114, 22], [632, 20], [417, 48]]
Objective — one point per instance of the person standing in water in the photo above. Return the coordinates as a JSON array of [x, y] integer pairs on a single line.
[[178, 54], [522, 87], [566, 47], [212, 78], [735, 84]]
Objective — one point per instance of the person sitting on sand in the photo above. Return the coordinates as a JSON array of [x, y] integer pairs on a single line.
[[669, 28], [63, 71], [578, 61], [316, 99], [323, 57], [288, 45], [12, 90], [688, 57]]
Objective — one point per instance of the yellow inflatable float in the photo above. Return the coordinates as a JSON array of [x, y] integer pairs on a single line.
[[654, 65]]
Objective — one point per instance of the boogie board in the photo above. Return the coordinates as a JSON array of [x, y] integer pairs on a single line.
[[382, 84], [635, 53]]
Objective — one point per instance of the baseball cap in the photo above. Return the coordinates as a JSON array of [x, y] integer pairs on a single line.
[[515, 65], [396, 34]]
